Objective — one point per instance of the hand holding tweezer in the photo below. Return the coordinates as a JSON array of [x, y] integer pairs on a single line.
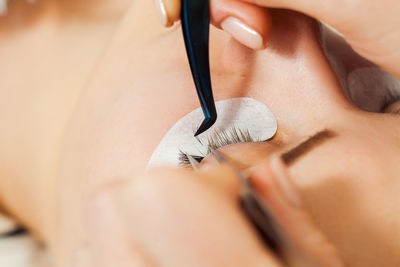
[[253, 207], [195, 18]]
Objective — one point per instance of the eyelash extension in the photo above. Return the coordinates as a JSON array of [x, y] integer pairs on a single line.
[[217, 140]]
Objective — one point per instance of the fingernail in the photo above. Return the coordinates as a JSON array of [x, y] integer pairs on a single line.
[[162, 13], [243, 33], [281, 175]]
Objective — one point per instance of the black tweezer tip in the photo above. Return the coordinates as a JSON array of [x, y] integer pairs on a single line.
[[206, 124]]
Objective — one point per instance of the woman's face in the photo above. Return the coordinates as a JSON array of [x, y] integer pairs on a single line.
[[143, 86]]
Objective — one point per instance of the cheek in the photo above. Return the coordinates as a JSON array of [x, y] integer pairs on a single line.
[[351, 198]]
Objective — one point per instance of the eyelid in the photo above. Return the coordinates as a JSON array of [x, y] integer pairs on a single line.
[[217, 140]]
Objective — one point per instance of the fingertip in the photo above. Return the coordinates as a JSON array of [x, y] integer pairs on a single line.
[[173, 8], [168, 11], [247, 23], [261, 179], [99, 211], [272, 180], [281, 175], [110, 243]]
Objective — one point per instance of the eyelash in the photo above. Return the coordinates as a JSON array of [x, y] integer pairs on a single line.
[[234, 135], [217, 140]]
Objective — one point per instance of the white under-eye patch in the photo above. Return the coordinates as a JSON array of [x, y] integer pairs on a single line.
[[241, 113]]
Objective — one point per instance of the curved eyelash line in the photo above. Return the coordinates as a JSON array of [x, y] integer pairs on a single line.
[[217, 140]]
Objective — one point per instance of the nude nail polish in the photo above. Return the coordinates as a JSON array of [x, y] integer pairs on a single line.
[[162, 13], [243, 33]]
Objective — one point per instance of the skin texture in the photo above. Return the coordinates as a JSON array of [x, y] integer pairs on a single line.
[[374, 35], [98, 124], [109, 221]]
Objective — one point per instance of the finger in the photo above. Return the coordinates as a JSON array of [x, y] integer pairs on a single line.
[[305, 245], [247, 23], [189, 219], [371, 27], [374, 32], [342, 18], [252, 12], [168, 11], [322, 10], [110, 243]]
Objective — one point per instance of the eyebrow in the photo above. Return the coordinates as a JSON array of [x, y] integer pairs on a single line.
[[294, 154]]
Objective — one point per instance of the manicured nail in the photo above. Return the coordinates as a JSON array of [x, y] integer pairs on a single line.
[[243, 33], [162, 13], [281, 175]]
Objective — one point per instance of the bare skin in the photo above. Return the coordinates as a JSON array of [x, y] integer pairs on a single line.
[[85, 132]]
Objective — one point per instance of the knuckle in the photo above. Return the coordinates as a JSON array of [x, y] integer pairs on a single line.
[[158, 189], [100, 196]]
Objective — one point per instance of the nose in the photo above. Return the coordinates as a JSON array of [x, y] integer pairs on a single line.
[[244, 155]]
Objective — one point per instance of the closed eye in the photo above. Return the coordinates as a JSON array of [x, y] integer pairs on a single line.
[[217, 140]]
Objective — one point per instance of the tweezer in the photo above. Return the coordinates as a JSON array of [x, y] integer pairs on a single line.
[[195, 18], [253, 207]]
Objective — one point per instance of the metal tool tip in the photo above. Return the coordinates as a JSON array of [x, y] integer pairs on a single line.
[[205, 125], [193, 162]]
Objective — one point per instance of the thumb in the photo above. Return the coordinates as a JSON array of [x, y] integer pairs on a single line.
[[304, 244], [109, 240]]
